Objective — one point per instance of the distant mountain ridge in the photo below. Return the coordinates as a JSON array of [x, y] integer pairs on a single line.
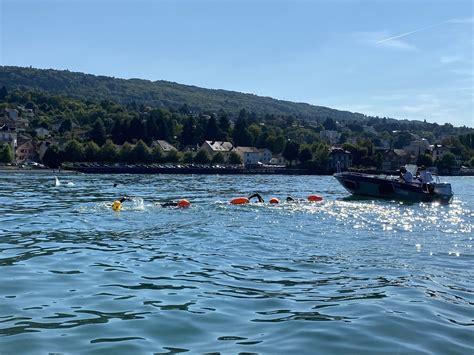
[[160, 94]]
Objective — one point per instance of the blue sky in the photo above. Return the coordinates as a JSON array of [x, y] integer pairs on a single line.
[[396, 58]]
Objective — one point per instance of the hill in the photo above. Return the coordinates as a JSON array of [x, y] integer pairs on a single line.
[[160, 94]]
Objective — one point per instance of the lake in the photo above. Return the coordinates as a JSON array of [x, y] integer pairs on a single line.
[[345, 275]]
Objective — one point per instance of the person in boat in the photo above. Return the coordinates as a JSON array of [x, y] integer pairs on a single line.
[[426, 179], [405, 175], [257, 195], [424, 175]]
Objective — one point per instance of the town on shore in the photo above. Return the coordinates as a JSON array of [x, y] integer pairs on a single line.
[[41, 130]]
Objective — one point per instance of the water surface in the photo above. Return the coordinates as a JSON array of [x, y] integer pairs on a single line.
[[343, 276]]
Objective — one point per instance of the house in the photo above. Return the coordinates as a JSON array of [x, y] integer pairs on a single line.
[[330, 136], [9, 137], [41, 132], [393, 159], [439, 151], [11, 113], [214, 147], [339, 156], [26, 150], [253, 156], [278, 160], [164, 146], [417, 147]]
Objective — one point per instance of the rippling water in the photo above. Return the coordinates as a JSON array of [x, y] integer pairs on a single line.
[[343, 276]]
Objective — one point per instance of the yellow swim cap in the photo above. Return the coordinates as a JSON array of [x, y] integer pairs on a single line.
[[116, 205]]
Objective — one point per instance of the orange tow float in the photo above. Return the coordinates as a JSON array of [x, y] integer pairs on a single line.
[[240, 201], [184, 203], [314, 198], [274, 200]]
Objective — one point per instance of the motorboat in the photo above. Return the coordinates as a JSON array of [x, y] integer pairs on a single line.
[[391, 187]]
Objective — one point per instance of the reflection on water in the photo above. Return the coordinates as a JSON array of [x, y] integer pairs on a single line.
[[381, 275]]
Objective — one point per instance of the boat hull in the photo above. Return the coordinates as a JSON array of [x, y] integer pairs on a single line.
[[390, 188]]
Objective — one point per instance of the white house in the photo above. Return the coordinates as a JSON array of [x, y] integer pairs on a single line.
[[253, 156]]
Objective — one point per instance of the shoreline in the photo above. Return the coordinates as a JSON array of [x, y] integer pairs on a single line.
[[169, 171]]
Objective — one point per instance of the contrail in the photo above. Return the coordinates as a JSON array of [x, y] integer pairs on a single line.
[[409, 33]]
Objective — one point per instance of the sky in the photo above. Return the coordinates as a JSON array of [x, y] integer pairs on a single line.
[[405, 59]]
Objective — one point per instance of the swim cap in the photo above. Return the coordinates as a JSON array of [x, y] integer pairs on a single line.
[[116, 205]]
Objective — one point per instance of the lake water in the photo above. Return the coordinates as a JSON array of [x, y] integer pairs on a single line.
[[351, 276]]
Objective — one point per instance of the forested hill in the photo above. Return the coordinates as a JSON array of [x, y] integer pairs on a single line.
[[160, 94]]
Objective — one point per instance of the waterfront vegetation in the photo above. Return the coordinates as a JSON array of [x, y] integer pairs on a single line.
[[125, 130]]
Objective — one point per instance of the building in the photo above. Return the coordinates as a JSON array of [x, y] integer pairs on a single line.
[[253, 156], [339, 156], [439, 151], [214, 147], [164, 146], [417, 147], [393, 159], [278, 160], [9, 137], [26, 150]]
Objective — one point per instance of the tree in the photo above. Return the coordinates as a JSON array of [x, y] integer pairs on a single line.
[[126, 153], [3, 93], [66, 125], [224, 127], [234, 158], [108, 152], [172, 156], [329, 124], [91, 151], [305, 155], [156, 154], [291, 151], [218, 159], [424, 159], [6, 154], [201, 157], [97, 134], [187, 157], [73, 151], [212, 129], [241, 135], [446, 162], [52, 157], [140, 153], [188, 133]]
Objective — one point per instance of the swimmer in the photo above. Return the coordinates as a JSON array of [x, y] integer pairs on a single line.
[[257, 195], [183, 203]]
